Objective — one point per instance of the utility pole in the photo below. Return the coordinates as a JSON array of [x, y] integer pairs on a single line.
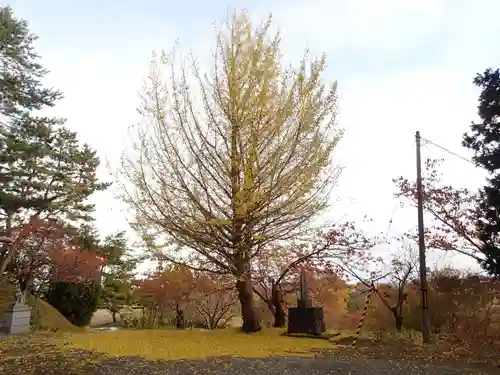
[[421, 247]]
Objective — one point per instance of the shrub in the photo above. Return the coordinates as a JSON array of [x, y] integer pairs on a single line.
[[77, 302]]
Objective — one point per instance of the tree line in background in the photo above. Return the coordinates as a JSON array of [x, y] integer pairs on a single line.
[[227, 174]]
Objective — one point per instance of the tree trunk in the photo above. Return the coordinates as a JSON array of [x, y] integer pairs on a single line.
[[162, 319], [279, 317], [245, 296], [279, 313], [113, 314], [179, 317], [398, 318], [399, 323]]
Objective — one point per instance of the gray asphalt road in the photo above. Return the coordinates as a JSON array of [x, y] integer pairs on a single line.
[[276, 366]]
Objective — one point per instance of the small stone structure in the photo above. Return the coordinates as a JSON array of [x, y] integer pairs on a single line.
[[304, 318], [16, 318]]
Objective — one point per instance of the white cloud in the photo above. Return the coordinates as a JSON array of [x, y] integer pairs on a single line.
[[381, 115], [385, 25], [380, 112]]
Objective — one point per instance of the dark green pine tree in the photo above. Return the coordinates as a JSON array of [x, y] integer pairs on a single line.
[[20, 79], [45, 170], [484, 141], [43, 167], [118, 274]]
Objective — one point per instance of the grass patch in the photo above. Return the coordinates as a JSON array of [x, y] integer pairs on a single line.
[[43, 315], [195, 344]]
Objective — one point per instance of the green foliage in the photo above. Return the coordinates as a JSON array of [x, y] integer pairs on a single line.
[[120, 265], [118, 273], [114, 295], [77, 302], [484, 141], [20, 81], [121, 261], [43, 167]]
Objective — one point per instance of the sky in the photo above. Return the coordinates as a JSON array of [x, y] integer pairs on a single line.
[[401, 66]]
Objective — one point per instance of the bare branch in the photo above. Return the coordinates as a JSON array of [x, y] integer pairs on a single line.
[[226, 163]]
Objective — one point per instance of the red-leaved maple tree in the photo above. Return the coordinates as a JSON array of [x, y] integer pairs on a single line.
[[214, 298], [42, 251], [211, 295], [451, 212], [170, 288], [334, 250]]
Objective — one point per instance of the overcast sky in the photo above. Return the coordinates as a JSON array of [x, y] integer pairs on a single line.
[[401, 65]]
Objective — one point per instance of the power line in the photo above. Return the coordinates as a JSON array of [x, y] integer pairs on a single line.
[[429, 150], [391, 219], [451, 152]]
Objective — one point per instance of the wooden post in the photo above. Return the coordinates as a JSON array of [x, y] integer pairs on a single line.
[[421, 247]]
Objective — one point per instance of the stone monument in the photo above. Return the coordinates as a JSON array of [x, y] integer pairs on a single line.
[[305, 318], [303, 301], [16, 318]]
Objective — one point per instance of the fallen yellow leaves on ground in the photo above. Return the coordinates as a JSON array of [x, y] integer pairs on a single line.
[[148, 352], [196, 344]]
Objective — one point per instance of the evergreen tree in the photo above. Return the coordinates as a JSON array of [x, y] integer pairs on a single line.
[[118, 273], [44, 169], [20, 81], [484, 141], [76, 302], [42, 165], [116, 276]]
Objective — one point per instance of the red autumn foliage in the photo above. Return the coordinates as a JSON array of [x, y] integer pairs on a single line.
[[43, 252], [214, 298], [166, 288], [276, 269], [394, 295], [451, 211], [73, 265], [463, 305], [211, 295], [152, 290], [351, 319], [171, 288]]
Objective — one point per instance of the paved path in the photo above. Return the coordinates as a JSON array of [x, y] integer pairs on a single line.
[[102, 317], [273, 366]]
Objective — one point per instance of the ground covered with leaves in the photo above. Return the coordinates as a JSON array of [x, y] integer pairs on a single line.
[[229, 352]]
